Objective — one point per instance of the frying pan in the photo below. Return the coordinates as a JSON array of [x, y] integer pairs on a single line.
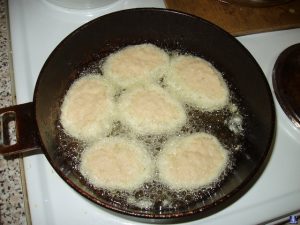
[[36, 122]]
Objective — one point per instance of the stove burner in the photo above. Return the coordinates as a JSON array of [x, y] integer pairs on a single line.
[[286, 82], [82, 5]]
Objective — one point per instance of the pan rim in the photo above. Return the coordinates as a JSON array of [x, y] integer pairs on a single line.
[[199, 212]]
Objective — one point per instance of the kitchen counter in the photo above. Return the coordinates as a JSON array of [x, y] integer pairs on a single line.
[[12, 190]]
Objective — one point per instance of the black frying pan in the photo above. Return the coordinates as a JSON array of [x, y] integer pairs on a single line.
[[170, 30]]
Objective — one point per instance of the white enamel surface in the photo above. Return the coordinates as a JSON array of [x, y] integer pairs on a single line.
[[82, 4], [37, 27]]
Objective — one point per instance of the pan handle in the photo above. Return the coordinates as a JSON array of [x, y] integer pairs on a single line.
[[26, 129]]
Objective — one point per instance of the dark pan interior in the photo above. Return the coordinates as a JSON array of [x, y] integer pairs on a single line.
[[173, 31]]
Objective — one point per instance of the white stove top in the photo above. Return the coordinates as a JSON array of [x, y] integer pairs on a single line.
[[37, 27]]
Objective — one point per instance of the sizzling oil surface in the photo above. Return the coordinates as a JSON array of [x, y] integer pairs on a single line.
[[226, 124]]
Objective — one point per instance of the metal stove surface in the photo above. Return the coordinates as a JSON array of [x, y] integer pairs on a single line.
[[37, 27]]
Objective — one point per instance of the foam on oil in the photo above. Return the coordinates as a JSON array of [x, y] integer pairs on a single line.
[[226, 124]]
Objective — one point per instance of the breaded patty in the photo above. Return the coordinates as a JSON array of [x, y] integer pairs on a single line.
[[136, 64], [192, 161], [151, 110], [116, 163], [88, 108], [197, 83]]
